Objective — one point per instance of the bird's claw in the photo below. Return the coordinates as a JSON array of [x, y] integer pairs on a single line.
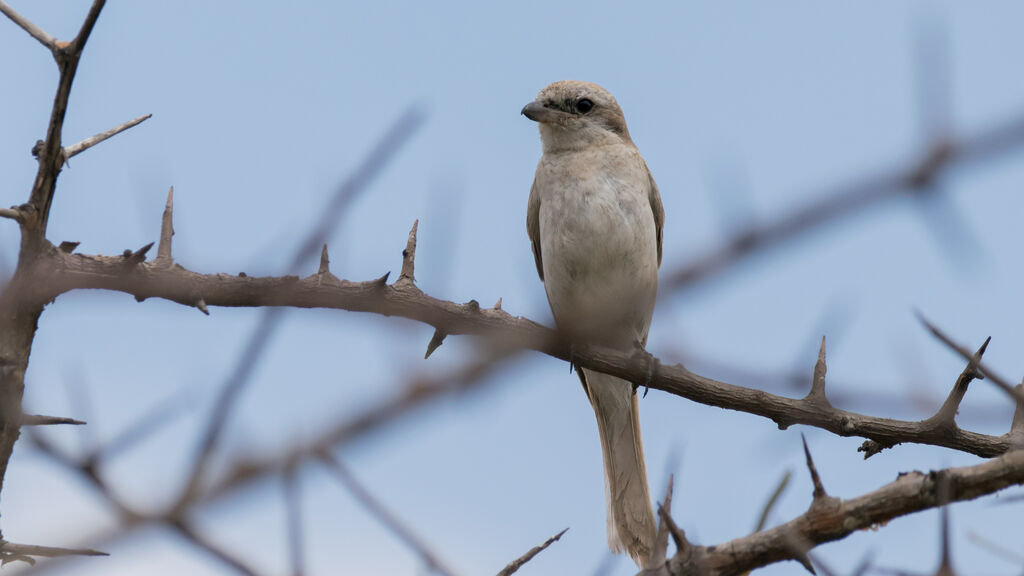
[[651, 368]]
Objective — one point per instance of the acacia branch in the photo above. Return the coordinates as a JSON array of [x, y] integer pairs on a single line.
[[835, 519], [77, 271]]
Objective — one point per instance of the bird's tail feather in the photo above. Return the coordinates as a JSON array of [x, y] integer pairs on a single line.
[[631, 525]]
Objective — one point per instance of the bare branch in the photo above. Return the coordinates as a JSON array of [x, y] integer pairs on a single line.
[[232, 561], [519, 562], [448, 318], [911, 492], [383, 515], [28, 26], [76, 149]]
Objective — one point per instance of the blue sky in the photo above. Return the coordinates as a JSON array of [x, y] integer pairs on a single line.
[[744, 111]]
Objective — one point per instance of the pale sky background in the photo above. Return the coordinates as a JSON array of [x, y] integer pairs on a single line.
[[743, 111]]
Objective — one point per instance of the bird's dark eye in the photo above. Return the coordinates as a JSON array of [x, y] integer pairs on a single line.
[[585, 105]]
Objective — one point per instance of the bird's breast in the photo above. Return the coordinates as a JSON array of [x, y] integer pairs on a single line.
[[597, 230]]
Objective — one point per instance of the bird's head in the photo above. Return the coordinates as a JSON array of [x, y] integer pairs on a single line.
[[575, 115]]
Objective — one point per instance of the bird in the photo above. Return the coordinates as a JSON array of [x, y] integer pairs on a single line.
[[595, 221]]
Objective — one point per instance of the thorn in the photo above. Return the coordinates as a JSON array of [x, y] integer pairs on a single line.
[[325, 262], [799, 547], [677, 533], [1017, 427], [817, 392], [201, 304], [946, 414], [39, 420], [497, 305], [660, 551], [383, 280], [137, 257], [435, 342], [966, 354], [819, 490], [409, 257], [91, 141], [68, 247], [163, 252]]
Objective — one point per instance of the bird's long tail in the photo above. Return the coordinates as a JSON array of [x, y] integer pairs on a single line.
[[631, 525]]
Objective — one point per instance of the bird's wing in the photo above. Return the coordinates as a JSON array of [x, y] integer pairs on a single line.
[[656, 208], [533, 227]]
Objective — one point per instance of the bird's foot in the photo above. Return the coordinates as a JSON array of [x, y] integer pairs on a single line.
[[651, 361]]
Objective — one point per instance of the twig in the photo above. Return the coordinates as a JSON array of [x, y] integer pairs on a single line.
[[516, 564], [27, 25], [76, 149], [383, 515], [232, 561]]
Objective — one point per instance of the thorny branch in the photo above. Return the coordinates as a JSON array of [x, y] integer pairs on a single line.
[[44, 272], [64, 272], [830, 519]]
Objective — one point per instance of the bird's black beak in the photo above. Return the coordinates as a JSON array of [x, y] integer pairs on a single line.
[[538, 112]]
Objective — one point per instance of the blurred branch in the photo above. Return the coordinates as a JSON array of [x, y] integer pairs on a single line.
[[433, 563], [518, 563], [845, 200], [372, 165]]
